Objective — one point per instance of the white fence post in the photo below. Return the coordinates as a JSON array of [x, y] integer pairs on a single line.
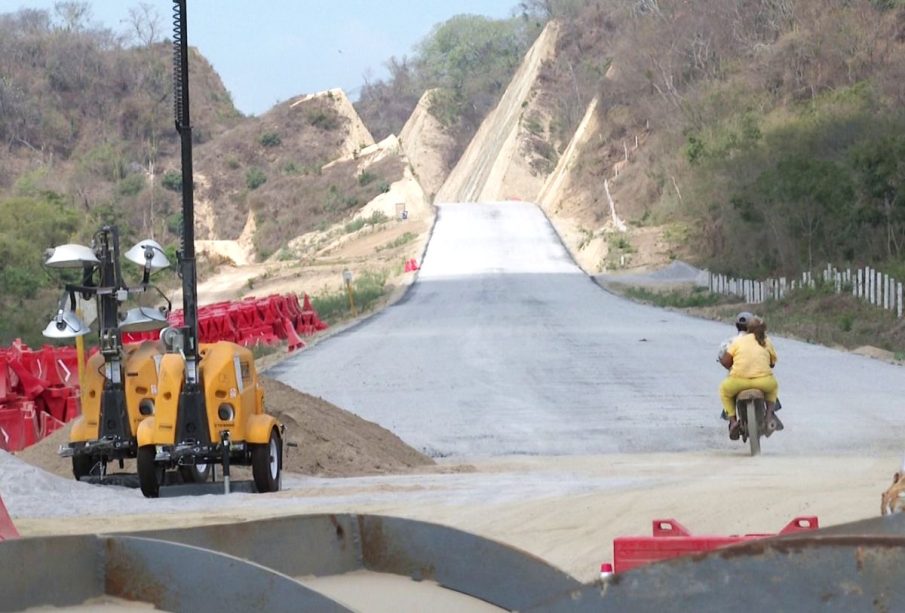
[[899, 300], [869, 284]]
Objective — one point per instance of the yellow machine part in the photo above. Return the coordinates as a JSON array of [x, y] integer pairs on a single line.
[[140, 383], [85, 428], [228, 374], [160, 429], [141, 379]]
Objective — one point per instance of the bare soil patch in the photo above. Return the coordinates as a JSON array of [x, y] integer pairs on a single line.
[[330, 442]]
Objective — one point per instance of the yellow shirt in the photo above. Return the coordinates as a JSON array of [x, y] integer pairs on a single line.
[[749, 359]]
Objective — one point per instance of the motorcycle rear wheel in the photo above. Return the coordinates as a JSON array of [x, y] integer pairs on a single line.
[[754, 433]]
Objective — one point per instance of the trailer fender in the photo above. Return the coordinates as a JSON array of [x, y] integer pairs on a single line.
[[80, 432], [146, 430], [259, 428]]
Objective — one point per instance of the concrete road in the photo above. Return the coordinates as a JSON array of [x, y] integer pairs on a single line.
[[503, 346]]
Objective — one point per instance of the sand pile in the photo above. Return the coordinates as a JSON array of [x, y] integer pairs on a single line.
[[331, 442]]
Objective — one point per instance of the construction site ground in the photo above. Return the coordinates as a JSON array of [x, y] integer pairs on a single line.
[[559, 416]]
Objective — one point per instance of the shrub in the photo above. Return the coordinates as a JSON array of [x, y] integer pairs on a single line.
[[323, 119], [172, 181], [270, 139], [376, 217], [174, 223], [402, 240], [365, 177], [131, 185], [367, 289], [255, 178]]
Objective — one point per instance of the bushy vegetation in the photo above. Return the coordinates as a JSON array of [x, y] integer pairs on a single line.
[[255, 178], [676, 298], [468, 61], [398, 242], [290, 205], [270, 139], [375, 218], [767, 127], [368, 287], [87, 131]]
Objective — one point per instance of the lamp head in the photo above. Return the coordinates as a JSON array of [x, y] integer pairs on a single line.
[[148, 254], [71, 256], [143, 319], [66, 324]]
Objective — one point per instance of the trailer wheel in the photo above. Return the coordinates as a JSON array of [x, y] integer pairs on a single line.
[[150, 476], [266, 463], [195, 473], [86, 465]]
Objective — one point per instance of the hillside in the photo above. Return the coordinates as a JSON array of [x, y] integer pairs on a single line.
[[753, 138], [749, 137], [87, 120]]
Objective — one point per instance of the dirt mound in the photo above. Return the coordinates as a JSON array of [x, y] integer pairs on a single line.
[[44, 453], [331, 442]]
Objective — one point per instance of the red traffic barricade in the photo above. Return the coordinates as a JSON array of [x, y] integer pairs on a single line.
[[7, 529], [672, 540]]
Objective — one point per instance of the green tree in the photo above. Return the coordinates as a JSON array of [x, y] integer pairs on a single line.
[[28, 226], [880, 169]]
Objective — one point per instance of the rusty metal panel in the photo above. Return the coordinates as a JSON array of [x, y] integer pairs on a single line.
[[467, 563], [295, 546], [845, 574], [58, 571], [323, 545], [176, 577]]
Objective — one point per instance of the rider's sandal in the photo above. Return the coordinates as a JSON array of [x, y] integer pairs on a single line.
[[735, 430]]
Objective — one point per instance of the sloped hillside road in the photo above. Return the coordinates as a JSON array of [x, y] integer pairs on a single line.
[[504, 347]]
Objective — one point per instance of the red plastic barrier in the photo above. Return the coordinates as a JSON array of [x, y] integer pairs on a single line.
[[19, 425], [7, 529], [39, 387], [672, 540]]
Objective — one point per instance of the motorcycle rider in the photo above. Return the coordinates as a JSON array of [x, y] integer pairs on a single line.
[[750, 359], [741, 326]]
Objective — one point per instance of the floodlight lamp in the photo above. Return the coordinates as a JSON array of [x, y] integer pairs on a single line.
[[71, 256], [143, 319], [66, 324], [148, 254]]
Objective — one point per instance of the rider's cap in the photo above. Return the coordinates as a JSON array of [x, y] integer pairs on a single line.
[[743, 318]]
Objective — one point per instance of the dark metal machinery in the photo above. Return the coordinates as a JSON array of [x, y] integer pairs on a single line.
[[853, 567]]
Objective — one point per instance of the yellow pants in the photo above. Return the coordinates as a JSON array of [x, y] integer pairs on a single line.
[[731, 386]]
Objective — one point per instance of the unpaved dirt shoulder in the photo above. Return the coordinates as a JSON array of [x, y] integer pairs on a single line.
[[568, 509], [327, 441]]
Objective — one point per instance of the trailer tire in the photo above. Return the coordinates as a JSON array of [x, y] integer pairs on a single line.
[[150, 476], [83, 465], [195, 473], [267, 463]]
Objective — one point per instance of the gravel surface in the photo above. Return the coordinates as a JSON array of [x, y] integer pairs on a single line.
[[504, 347]]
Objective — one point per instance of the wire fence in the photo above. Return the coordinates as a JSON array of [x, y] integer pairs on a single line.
[[867, 284]]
